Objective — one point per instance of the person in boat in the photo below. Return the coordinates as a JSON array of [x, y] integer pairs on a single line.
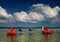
[[20, 29], [12, 31], [46, 31], [30, 29], [11, 34]]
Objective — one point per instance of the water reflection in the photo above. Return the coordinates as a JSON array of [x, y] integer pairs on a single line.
[[11, 37], [20, 34], [46, 32], [11, 34], [29, 34]]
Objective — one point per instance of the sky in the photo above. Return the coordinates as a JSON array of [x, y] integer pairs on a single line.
[[29, 13]]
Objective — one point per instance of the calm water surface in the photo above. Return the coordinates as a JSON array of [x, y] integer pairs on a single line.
[[30, 36]]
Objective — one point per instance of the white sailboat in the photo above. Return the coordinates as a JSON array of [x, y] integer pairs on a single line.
[[42, 28]]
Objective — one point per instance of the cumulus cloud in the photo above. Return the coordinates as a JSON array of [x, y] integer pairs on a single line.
[[30, 17], [46, 10], [4, 16], [35, 16], [39, 12], [21, 16]]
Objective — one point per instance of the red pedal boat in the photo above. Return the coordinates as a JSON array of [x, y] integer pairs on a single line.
[[12, 31], [46, 31], [11, 34]]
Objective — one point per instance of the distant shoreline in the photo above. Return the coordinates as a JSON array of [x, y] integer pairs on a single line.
[[29, 27]]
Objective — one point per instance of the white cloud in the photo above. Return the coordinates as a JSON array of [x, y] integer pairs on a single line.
[[46, 10], [21, 16], [39, 12], [4, 15], [32, 16], [36, 16]]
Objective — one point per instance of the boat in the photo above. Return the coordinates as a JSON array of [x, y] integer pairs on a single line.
[[12, 31], [46, 31]]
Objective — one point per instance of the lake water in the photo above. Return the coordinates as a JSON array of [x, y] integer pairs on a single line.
[[30, 36]]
